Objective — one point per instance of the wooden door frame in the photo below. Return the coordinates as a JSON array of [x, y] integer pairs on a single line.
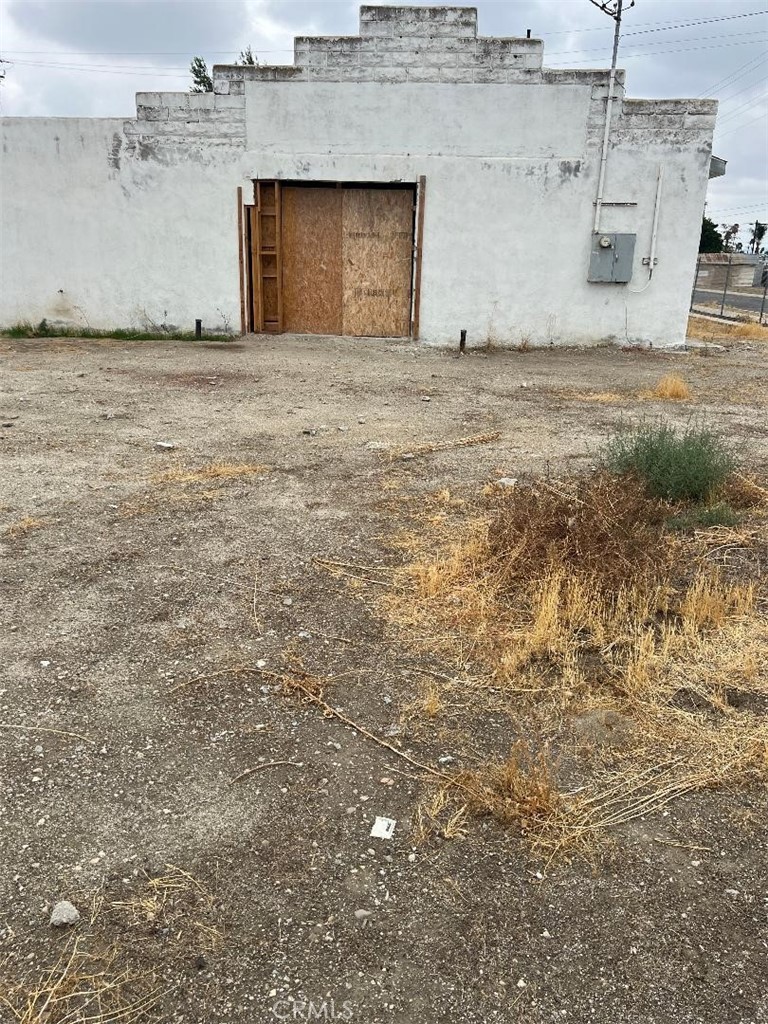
[[252, 252]]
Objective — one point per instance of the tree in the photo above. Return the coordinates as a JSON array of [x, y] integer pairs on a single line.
[[758, 234], [729, 236], [246, 58], [201, 79], [711, 239]]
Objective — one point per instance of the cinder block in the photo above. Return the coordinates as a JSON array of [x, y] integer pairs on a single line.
[[403, 58], [389, 74], [439, 59], [289, 74], [180, 114], [457, 75], [197, 100], [152, 113], [486, 75], [315, 57], [700, 122], [377, 28], [653, 121], [343, 60], [324, 74], [422, 74], [357, 73], [149, 99]]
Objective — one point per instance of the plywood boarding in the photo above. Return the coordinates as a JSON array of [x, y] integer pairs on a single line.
[[311, 266], [377, 254]]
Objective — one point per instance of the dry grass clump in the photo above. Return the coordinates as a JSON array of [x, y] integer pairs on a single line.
[[98, 976], [575, 598], [23, 526], [83, 986], [670, 387], [176, 901], [212, 471]]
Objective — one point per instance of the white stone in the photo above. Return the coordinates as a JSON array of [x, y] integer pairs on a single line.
[[64, 914]]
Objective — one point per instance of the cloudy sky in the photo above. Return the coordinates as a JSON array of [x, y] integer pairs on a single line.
[[89, 57]]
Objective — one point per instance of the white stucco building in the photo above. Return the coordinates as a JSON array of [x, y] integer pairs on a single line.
[[415, 180]]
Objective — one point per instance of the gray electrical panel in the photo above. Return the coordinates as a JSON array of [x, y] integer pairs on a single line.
[[611, 257]]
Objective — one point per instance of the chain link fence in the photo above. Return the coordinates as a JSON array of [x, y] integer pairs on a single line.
[[732, 286]]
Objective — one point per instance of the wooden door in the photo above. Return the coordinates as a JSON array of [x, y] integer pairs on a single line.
[[312, 272], [377, 261], [329, 259]]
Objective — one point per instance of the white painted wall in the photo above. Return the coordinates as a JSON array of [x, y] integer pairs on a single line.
[[115, 223], [94, 235]]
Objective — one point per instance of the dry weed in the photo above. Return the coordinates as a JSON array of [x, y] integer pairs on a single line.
[[83, 986], [212, 471], [669, 388], [23, 526], [574, 597], [721, 330]]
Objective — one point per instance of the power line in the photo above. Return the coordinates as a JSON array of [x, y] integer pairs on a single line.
[[752, 85], [749, 104], [751, 65], [691, 39], [662, 53], [663, 26], [738, 128]]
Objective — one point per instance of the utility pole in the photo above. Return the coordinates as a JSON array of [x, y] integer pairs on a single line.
[[613, 8]]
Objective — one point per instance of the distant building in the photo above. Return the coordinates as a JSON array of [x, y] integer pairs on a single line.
[[742, 269], [415, 180]]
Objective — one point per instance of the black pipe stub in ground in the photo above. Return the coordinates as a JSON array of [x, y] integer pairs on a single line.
[[198, 328], [463, 341]]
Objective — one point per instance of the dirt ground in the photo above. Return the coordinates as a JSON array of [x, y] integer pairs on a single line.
[[130, 597]]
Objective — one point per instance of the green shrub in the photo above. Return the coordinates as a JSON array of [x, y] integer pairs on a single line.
[[687, 465], [699, 518]]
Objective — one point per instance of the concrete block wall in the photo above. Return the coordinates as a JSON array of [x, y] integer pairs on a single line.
[[402, 44], [183, 117], [667, 122]]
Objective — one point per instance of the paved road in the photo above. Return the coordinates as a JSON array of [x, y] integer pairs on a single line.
[[733, 299]]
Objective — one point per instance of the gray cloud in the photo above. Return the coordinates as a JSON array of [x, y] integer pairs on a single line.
[[131, 25]]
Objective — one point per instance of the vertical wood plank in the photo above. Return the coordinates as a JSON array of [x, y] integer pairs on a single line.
[[240, 242], [417, 255], [279, 253], [311, 260], [258, 325], [377, 257]]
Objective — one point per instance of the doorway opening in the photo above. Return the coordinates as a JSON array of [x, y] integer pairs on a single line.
[[332, 258]]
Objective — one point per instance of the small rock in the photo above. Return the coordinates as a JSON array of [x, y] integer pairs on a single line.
[[165, 446], [200, 962], [506, 481], [376, 446], [362, 915], [426, 398], [407, 456], [310, 431], [287, 601], [64, 914], [522, 983]]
